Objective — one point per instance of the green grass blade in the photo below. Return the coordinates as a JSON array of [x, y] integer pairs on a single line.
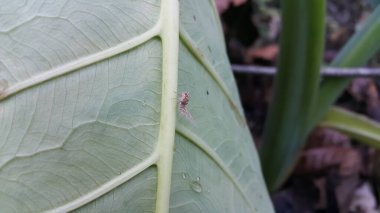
[[355, 125], [360, 48], [295, 88]]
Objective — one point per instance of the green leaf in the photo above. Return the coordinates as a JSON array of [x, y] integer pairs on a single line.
[[358, 50], [89, 117], [357, 126], [295, 89]]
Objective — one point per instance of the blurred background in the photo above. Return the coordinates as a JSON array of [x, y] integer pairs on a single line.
[[335, 173]]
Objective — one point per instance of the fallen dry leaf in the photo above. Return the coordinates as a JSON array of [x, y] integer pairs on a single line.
[[320, 183], [268, 53], [319, 160], [344, 192], [223, 5], [363, 200], [365, 90], [322, 137], [358, 88]]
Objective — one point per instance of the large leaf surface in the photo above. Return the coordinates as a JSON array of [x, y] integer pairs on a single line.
[[88, 109]]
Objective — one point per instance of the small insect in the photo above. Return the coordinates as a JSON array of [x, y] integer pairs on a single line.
[[182, 105]]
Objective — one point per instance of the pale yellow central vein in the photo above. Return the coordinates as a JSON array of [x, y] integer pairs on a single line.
[[165, 145], [80, 63]]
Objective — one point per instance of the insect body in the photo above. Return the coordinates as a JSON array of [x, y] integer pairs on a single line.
[[182, 105], [184, 99]]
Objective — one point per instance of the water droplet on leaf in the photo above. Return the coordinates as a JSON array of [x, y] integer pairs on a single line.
[[184, 175], [196, 186]]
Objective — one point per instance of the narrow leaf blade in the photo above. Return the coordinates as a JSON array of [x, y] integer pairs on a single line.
[[357, 126]]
